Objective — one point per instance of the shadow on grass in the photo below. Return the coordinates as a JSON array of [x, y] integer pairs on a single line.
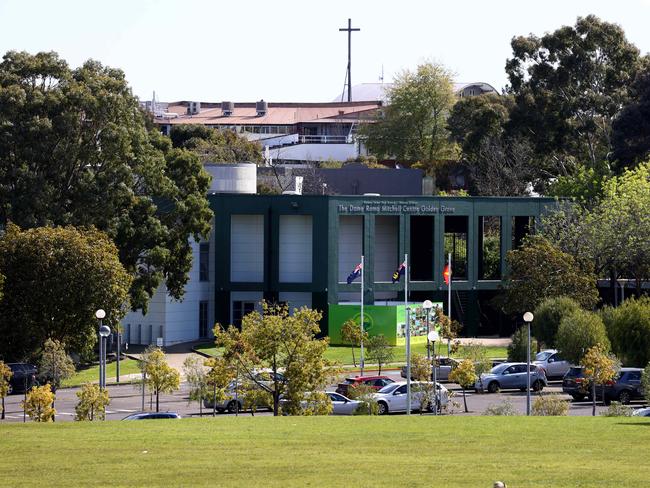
[[645, 424]]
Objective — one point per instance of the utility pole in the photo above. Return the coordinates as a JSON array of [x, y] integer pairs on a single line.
[[349, 30]]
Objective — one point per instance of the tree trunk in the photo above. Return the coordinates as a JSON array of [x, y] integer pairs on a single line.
[[354, 361], [593, 399], [53, 415], [214, 400], [3, 408], [465, 401], [379, 368], [157, 401]]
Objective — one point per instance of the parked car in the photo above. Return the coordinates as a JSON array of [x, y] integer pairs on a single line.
[[231, 403], [23, 378], [626, 386], [392, 398], [552, 362], [444, 367], [152, 416], [511, 376], [375, 382], [575, 384], [341, 405], [642, 412]]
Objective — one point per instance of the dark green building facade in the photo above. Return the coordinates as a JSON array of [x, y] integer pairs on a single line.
[[300, 249]]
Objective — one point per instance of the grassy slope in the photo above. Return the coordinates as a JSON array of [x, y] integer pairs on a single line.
[[330, 451], [127, 366], [343, 354]]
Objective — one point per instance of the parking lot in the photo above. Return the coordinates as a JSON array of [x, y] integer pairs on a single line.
[[127, 399]]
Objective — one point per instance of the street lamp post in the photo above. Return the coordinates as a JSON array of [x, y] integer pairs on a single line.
[[104, 331], [408, 360], [433, 337], [528, 318]]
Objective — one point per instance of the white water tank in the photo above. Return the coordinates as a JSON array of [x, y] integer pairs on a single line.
[[232, 178]]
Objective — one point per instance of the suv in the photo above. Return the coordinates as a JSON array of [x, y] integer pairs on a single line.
[[626, 386], [552, 362], [375, 382], [23, 377], [511, 375], [575, 384], [444, 367]]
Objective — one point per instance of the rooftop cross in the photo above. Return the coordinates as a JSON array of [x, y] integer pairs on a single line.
[[349, 30]]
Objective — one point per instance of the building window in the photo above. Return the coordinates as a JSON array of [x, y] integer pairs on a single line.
[[203, 319], [204, 261], [239, 310]]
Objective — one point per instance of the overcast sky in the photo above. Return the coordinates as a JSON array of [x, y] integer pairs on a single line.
[[283, 50]]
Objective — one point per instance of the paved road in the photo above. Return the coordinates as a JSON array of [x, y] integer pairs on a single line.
[[127, 398]]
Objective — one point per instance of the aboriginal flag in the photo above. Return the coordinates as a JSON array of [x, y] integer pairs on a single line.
[[399, 272], [446, 273], [355, 274]]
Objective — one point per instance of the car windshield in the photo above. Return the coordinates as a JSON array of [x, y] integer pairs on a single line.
[[543, 356], [388, 388], [499, 368]]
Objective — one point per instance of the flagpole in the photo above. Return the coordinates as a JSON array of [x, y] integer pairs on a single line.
[[449, 300], [408, 334], [362, 315]]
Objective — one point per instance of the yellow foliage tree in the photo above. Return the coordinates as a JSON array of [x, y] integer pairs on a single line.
[[5, 376], [38, 404], [465, 375], [161, 377], [599, 368], [92, 402]]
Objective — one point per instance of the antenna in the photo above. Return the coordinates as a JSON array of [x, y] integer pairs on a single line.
[[381, 77]]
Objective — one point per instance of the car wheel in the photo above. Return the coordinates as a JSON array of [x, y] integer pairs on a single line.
[[493, 387], [624, 397], [578, 398], [383, 408], [538, 386], [232, 406]]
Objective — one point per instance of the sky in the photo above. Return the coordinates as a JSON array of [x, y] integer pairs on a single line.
[[291, 51]]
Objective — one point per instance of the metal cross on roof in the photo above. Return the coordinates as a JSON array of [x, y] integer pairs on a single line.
[[349, 30]]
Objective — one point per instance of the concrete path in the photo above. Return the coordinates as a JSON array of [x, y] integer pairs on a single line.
[[176, 354]]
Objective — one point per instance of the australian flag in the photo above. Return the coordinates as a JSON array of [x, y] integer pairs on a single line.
[[399, 272], [355, 274]]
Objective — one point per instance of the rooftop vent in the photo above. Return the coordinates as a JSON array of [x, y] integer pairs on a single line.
[[261, 108], [227, 108], [194, 108]]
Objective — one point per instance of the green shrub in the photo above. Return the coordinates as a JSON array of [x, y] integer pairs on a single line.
[[645, 381], [548, 316], [517, 348], [364, 394], [505, 408], [628, 328], [579, 331], [617, 409], [550, 406]]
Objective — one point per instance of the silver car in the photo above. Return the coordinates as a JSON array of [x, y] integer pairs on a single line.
[[511, 376], [392, 398], [341, 405], [445, 365], [552, 362]]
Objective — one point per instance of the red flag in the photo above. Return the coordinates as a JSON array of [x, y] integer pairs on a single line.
[[446, 273]]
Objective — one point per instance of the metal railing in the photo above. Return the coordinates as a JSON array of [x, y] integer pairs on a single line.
[[325, 139]]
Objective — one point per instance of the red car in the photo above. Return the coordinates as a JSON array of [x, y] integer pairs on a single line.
[[375, 382]]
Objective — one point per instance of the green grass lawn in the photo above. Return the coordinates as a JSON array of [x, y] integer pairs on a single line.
[[330, 451], [127, 366], [343, 354]]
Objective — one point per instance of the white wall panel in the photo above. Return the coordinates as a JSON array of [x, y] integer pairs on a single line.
[[295, 248], [247, 248], [386, 247], [350, 244]]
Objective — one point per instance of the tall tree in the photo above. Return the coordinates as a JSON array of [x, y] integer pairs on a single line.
[[380, 351], [631, 128], [578, 332], [286, 346], [56, 279], [539, 270], [75, 149], [351, 334], [568, 86], [161, 377], [413, 126], [215, 146]]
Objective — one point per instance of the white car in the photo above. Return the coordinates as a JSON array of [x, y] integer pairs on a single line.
[[642, 412], [341, 405], [392, 398], [551, 361]]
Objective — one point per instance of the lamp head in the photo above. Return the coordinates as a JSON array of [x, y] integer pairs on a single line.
[[528, 317], [100, 314], [104, 331], [427, 305], [433, 336]]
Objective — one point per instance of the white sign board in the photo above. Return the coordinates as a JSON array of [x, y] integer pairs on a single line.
[[159, 341]]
